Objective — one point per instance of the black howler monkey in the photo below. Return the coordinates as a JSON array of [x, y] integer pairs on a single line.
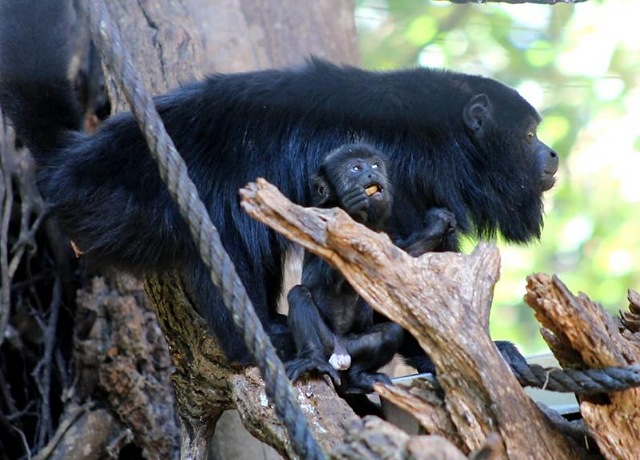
[[450, 140], [332, 327]]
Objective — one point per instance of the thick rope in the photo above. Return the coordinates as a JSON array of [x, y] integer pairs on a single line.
[[584, 382], [173, 171], [588, 381]]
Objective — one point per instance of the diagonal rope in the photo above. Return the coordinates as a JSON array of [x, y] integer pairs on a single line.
[[173, 171]]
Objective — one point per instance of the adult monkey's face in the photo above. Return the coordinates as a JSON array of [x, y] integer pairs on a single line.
[[548, 163]]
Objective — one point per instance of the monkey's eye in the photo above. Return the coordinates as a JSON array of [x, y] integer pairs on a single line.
[[356, 168], [375, 165], [530, 135]]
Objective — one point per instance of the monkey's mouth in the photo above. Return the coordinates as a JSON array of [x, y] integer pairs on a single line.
[[373, 189], [547, 182]]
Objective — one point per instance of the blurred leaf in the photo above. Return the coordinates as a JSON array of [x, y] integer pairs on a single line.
[[422, 30]]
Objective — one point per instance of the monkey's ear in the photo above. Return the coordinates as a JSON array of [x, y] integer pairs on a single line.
[[321, 191], [477, 113]]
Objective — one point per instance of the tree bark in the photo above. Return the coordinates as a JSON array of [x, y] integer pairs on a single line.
[[243, 35], [374, 439], [163, 41], [120, 353]]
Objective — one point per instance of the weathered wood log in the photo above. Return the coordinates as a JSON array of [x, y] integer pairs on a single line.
[[580, 332], [443, 300]]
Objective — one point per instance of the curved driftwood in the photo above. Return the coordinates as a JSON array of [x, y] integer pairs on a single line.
[[443, 300]]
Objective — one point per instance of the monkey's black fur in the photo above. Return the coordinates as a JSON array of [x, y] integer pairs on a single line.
[[332, 327], [454, 141]]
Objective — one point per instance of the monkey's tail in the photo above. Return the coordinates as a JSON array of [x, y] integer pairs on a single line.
[[35, 91]]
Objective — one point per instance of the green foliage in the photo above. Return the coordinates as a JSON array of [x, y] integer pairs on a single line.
[[578, 64]]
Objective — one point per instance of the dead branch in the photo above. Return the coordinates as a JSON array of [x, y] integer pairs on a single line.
[[206, 386], [442, 299], [6, 206], [580, 332]]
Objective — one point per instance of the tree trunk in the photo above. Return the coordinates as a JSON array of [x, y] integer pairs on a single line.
[[242, 35]]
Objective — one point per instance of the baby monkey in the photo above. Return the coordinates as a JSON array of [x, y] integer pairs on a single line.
[[333, 328]]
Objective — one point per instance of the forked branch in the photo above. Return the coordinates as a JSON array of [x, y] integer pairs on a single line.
[[444, 301]]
